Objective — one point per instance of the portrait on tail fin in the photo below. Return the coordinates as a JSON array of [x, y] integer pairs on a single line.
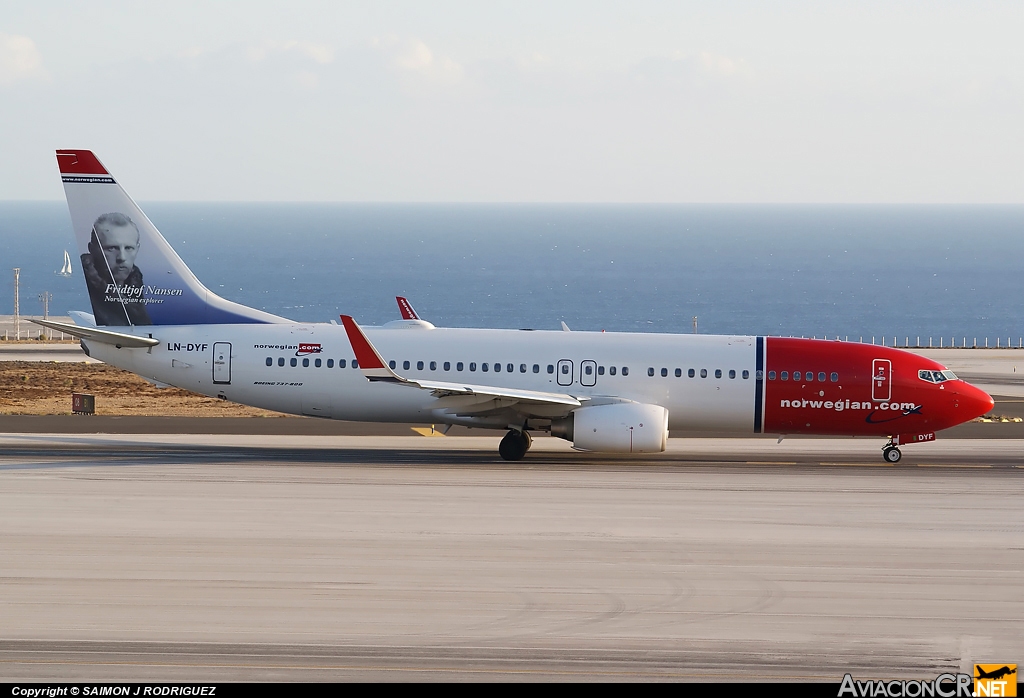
[[115, 283]]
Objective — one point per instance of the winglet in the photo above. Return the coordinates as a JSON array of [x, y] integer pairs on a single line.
[[406, 307], [370, 362]]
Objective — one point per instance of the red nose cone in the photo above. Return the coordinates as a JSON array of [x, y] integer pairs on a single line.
[[974, 402]]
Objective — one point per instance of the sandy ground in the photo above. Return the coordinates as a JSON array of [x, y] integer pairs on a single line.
[[41, 388]]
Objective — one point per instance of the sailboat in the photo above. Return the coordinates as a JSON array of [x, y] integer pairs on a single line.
[[65, 270]]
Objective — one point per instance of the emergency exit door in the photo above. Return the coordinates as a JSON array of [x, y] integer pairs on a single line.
[[222, 362], [881, 380]]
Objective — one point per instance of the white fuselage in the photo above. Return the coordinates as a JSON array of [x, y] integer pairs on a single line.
[[186, 358]]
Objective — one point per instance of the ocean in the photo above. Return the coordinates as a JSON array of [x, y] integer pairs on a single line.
[[803, 270]]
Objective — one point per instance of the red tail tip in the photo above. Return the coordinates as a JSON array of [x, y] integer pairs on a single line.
[[79, 162]]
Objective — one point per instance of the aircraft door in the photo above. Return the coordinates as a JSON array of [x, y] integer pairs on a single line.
[[564, 372], [588, 373], [881, 380], [222, 362]]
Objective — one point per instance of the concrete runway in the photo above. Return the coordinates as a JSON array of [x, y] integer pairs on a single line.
[[232, 557], [23, 351]]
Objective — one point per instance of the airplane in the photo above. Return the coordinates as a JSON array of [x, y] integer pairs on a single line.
[[996, 674], [606, 392]]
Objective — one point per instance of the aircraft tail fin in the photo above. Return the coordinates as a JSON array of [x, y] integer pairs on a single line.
[[405, 307], [134, 277]]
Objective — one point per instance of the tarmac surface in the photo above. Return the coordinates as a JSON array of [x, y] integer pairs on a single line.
[[167, 557]]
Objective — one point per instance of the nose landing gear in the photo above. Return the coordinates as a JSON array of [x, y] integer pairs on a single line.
[[891, 453], [515, 444]]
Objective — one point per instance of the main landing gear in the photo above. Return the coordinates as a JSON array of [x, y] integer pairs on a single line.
[[891, 454], [515, 444]]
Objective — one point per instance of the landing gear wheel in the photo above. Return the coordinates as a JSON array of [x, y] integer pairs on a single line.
[[514, 445], [891, 454]]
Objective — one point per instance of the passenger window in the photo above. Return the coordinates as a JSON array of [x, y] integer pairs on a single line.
[[270, 361], [433, 365], [784, 375], [625, 370], [405, 365], [703, 373], [447, 365], [771, 375], [497, 368], [458, 366], [821, 377], [732, 373], [600, 370], [392, 364], [305, 363], [834, 377], [341, 363], [280, 361], [679, 372], [483, 367], [294, 363], [317, 363], [565, 369], [510, 368], [611, 370], [330, 363], [691, 373], [522, 368], [419, 365], [746, 375], [551, 368], [796, 375], [536, 368], [718, 373], [664, 372], [355, 364], [650, 371], [472, 365]]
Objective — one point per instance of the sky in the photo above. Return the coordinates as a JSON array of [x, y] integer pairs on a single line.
[[574, 101]]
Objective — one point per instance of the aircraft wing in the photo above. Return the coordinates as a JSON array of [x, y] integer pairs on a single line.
[[374, 368], [118, 339]]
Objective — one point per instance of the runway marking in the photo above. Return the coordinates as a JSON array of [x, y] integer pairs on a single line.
[[370, 667], [770, 462], [425, 431], [952, 465], [862, 465]]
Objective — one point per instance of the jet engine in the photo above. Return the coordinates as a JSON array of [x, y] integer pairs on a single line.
[[627, 427]]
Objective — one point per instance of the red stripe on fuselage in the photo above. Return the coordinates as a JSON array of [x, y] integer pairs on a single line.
[[845, 406]]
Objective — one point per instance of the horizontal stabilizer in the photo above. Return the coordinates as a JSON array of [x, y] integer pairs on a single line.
[[118, 339]]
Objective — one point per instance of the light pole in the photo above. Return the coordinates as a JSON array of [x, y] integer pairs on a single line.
[[17, 316], [46, 297]]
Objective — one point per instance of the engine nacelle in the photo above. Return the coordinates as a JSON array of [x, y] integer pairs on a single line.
[[618, 428]]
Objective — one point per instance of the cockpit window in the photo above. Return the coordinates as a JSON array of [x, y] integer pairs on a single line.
[[936, 376]]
